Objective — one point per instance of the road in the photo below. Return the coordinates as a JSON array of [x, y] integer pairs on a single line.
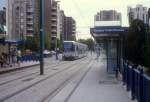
[[28, 86]]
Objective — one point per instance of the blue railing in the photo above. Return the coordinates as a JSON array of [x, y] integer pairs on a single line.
[[31, 57], [137, 82]]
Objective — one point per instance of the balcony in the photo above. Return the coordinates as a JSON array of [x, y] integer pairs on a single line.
[[29, 34], [73, 28], [54, 30], [53, 35], [53, 24], [54, 8], [30, 16], [30, 22], [54, 19], [30, 10], [54, 13], [30, 29]]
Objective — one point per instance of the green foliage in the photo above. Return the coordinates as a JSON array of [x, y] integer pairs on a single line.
[[137, 45], [30, 43], [135, 42], [147, 55], [89, 42]]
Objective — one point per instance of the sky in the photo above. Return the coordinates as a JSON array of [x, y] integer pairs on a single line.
[[83, 11], [2, 3]]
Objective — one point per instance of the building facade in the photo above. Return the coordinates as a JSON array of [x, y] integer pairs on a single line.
[[149, 16], [107, 15], [3, 16], [55, 19], [69, 29], [107, 18], [55, 23], [20, 19], [139, 12], [62, 25], [3, 23], [23, 19]]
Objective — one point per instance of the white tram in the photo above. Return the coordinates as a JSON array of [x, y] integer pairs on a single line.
[[74, 50]]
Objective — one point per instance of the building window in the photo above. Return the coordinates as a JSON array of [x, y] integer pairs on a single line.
[[21, 14], [137, 16], [143, 17]]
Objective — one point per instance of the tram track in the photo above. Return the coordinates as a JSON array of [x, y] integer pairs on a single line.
[[46, 68], [65, 83], [28, 75], [35, 83], [23, 70]]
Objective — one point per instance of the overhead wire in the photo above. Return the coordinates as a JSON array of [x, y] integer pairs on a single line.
[[80, 13]]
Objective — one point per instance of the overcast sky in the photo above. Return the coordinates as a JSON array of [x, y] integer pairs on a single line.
[[2, 3], [83, 11]]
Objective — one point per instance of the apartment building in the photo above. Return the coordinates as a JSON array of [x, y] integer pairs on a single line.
[[3, 16], [55, 23], [69, 28], [20, 19], [107, 18], [139, 12], [3, 23], [107, 15], [62, 24]]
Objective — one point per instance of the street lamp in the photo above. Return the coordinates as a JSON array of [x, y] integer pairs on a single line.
[[41, 36]]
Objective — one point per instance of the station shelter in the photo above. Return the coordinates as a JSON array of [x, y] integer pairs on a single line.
[[6, 46], [112, 39]]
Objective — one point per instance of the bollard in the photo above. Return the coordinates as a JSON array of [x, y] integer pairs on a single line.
[[127, 78], [133, 82], [116, 72], [124, 68], [140, 99]]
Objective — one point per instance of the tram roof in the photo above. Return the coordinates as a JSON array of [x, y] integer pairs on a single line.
[[75, 42]]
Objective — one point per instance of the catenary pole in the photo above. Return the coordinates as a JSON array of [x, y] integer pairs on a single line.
[[41, 36]]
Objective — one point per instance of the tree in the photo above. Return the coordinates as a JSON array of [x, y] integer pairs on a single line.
[[89, 42], [147, 55], [30, 43], [135, 42]]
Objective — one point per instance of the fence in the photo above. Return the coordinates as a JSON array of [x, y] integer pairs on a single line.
[[137, 82], [31, 57]]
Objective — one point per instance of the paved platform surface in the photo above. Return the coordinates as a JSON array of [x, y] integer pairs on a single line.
[[98, 86]]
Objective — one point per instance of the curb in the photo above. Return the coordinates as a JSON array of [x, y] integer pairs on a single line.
[[17, 68]]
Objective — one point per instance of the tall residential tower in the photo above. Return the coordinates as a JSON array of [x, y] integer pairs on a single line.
[[139, 12], [20, 15]]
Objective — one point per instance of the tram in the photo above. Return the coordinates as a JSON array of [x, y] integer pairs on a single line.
[[74, 50]]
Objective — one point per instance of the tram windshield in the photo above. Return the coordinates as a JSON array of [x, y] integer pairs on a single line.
[[68, 46]]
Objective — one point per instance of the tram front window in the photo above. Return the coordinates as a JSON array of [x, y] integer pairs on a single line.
[[68, 47]]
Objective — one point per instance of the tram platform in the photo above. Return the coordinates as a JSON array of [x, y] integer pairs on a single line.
[[99, 86], [15, 66]]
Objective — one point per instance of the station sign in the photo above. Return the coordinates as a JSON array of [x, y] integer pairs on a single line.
[[107, 30]]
